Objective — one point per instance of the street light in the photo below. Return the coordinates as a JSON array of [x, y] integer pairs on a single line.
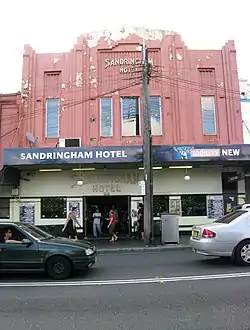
[[80, 182]]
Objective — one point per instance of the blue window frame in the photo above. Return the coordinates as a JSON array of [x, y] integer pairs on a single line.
[[52, 118], [155, 114], [208, 115], [106, 117]]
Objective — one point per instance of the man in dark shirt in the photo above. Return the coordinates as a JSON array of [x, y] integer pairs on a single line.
[[140, 220]]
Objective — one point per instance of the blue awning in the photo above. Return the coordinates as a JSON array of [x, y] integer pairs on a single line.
[[124, 154]]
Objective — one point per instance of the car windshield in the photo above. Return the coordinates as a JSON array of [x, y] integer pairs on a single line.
[[35, 231], [230, 216]]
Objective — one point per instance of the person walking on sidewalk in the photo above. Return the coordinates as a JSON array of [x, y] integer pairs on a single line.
[[140, 220], [70, 224], [97, 223], [112, 225]]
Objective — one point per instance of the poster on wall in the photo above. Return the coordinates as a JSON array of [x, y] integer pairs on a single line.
[[215, 207], [27, 213], [175, 206], [135, 201], [77, 205]]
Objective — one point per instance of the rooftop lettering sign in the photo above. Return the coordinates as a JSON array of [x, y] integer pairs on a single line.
[[126, 64]]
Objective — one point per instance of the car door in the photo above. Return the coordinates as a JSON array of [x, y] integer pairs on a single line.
[[20, 256]]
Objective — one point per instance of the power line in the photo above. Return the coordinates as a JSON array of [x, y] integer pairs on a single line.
[[7, 133], [179, 82], [35, 114], [73, 103], [192, 88]]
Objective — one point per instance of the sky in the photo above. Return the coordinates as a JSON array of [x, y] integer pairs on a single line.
[[53, 26]]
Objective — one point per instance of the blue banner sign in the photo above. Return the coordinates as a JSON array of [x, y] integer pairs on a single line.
[[197, 152], [124, 154], [50, 156]]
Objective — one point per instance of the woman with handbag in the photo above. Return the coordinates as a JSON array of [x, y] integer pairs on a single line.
[[70, 225]]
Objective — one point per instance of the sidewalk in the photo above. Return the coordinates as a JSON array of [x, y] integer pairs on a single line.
[[127, 245]]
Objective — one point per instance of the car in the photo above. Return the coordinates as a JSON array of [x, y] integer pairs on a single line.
[[27, 248], [227, 237]]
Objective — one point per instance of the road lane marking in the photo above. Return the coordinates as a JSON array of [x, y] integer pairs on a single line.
[[154, 280]]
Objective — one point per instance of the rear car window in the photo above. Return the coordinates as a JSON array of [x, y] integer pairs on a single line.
[[230, 216]]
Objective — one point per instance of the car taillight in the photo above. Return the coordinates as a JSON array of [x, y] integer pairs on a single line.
[[208, 233]]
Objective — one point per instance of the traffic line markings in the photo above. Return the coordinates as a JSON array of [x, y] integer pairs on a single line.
[[154, 280]]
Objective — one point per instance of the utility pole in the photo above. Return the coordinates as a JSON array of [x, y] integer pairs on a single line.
[[147, 147]]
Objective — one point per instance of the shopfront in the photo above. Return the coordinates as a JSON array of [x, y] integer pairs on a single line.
[[48, 186]]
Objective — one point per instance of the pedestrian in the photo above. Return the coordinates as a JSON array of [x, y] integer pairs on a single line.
[[112, 225], [70, 224], [117, 222], [140, 220], [97, 223]]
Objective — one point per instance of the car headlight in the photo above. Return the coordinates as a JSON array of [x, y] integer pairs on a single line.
[[89, 252]]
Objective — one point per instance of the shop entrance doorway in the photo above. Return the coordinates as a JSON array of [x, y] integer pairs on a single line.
[[104, 204]]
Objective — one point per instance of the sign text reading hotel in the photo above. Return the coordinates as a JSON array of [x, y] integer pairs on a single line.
[[73, 155], [127, 65]]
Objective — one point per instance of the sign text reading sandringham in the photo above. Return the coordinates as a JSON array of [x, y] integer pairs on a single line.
[[127, 65], [98, 154]]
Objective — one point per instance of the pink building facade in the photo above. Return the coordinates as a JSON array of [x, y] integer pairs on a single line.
[[93, 92], [10, 121], [93, 95]]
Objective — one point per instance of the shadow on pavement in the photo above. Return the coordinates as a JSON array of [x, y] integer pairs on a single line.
[[218, 262], [42, 277]]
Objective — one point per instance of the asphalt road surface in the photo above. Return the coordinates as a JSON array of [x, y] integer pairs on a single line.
[[184, 297], [145, 264]]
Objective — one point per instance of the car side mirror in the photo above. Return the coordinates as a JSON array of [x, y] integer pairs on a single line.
[[26, 241]]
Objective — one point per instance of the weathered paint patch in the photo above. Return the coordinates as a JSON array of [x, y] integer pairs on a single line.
[[79, 81], [93, 39]]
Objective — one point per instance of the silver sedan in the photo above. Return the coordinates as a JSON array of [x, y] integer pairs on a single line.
[[228, 236]]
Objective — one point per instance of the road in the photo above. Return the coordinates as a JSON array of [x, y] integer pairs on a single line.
[[174, 302], [145, 264]]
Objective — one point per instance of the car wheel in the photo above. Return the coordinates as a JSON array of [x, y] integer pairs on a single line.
[[58, 268], [242, 253]]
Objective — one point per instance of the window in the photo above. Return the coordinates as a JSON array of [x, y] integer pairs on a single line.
[[52, 118], [53, 207], [208, 115], [4, 208], [106, 126], [194, 205], [17, 235], [35, 231], [130, 116], [155, 114], [230, 217], [160, 205]]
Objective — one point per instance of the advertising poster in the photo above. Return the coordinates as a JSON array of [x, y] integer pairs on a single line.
[[27, 213]]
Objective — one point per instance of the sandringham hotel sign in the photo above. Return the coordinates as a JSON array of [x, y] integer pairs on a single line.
[[66, 155], [127, 65]]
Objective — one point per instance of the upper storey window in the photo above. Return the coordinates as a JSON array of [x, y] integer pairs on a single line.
[[52, 118]]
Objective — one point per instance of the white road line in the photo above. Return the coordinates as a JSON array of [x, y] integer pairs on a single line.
[[125, 282]]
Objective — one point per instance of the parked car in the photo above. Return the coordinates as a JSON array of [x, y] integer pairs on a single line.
[[27, 248], [228, 236]]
